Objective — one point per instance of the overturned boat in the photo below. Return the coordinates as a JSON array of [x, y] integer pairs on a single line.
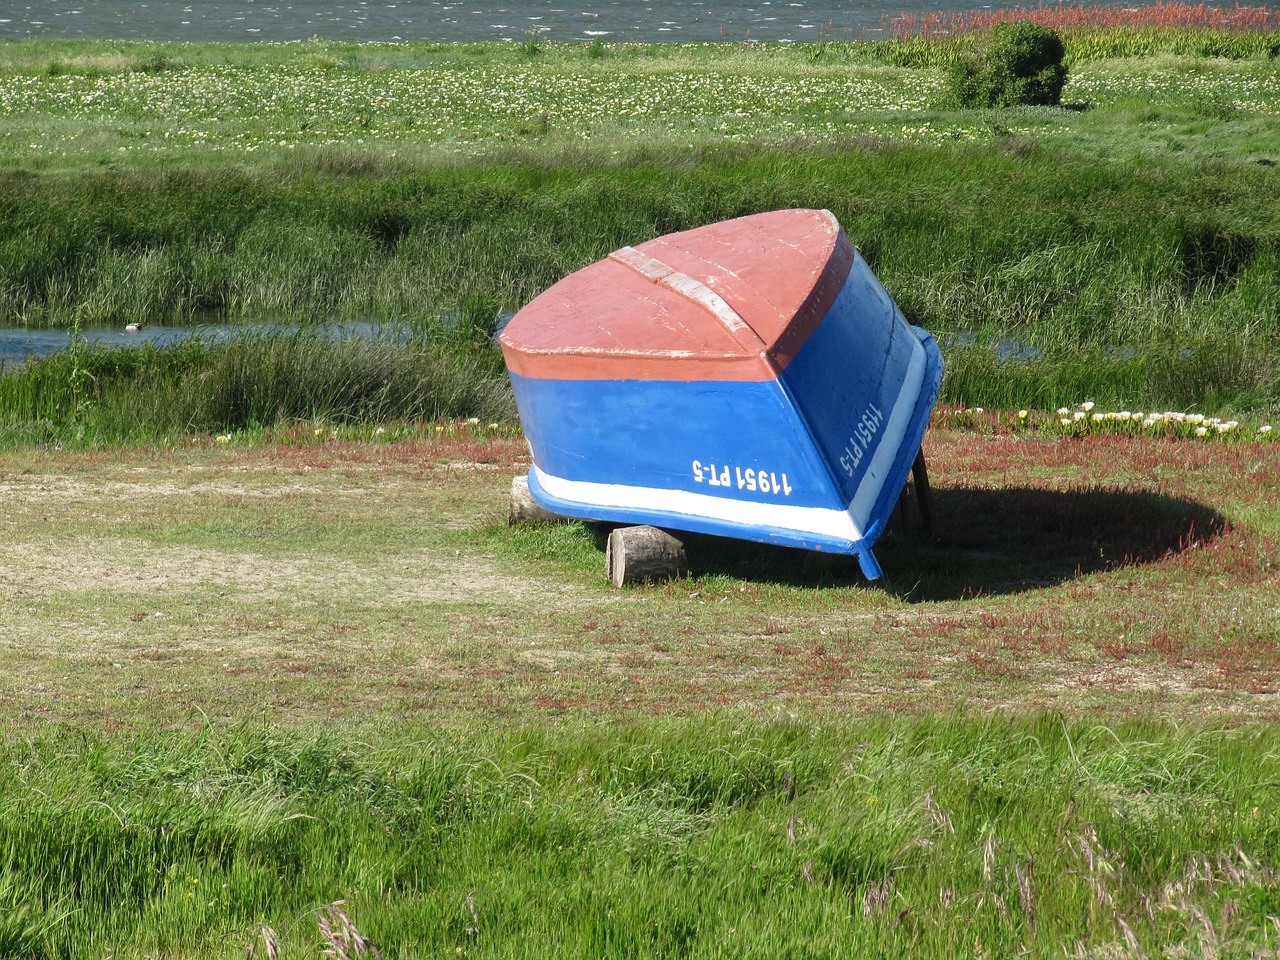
[[750, 379]]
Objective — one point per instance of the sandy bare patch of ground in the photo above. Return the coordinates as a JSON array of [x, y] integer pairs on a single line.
[[54, 489], [92, 566], [136, 568], [327, 580]]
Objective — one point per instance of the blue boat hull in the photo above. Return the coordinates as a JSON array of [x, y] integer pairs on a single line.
[[815, 457]]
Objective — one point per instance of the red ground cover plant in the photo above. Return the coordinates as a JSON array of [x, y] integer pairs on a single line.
[[1157, 16]]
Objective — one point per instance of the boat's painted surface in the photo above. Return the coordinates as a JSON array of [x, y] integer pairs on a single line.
[[750, 379]]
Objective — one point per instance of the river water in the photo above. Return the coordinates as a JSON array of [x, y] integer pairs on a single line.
[[457, 20], [21, 343]]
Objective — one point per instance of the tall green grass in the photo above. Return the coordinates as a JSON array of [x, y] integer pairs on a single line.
[[102, 396], [1143, 282], [1240, 376], [1100, 252], [1176, 264], [951, 836]]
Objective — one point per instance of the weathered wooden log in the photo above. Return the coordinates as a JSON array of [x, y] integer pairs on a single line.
[[643, 553], [524, 508]]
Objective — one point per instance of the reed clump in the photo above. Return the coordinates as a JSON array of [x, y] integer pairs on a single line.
[[248, 381]]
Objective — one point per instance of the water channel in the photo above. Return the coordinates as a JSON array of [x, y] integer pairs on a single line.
[[18, 344]]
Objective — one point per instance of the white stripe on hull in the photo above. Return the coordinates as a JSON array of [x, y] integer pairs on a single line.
[[887, 450], [816, 520]]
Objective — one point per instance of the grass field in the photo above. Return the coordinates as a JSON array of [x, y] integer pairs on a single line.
[[431, 185], [85, 104], [244, 680], [277, 678]]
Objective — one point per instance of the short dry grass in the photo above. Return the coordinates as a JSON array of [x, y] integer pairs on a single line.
[[322, 583]]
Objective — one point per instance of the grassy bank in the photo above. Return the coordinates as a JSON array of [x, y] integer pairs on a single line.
[[1128, 244], [1138, 286], [712, 837], [107, 396], [244, 680]]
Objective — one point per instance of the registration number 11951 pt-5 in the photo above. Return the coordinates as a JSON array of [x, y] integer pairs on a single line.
[[765, 481]]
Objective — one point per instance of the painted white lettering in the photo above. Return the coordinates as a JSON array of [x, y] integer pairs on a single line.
[[863, 436], [731, 476]]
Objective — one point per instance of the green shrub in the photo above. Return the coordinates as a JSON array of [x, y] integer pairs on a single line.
[[1022, 65]]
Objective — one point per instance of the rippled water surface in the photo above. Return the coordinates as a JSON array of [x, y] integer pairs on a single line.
[[380, 20], [21, 343]]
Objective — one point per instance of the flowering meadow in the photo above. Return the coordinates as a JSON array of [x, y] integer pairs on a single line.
[[237, 110], [695, 97]]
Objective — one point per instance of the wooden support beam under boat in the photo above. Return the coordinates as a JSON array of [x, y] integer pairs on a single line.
[[525, 509], [924, 495], [917, 489], [643, 553]]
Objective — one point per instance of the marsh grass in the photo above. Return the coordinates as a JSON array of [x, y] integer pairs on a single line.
[[1094, 259], [1221, 375], [664, 838], [1135, 227], [250, 381]]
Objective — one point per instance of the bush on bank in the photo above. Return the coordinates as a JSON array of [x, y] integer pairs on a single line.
[[1020, 66]]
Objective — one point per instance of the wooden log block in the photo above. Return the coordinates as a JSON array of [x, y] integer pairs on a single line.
[[524, 508], [643, 553]]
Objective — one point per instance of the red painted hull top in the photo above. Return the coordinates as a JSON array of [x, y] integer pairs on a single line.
[[730, 301]]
